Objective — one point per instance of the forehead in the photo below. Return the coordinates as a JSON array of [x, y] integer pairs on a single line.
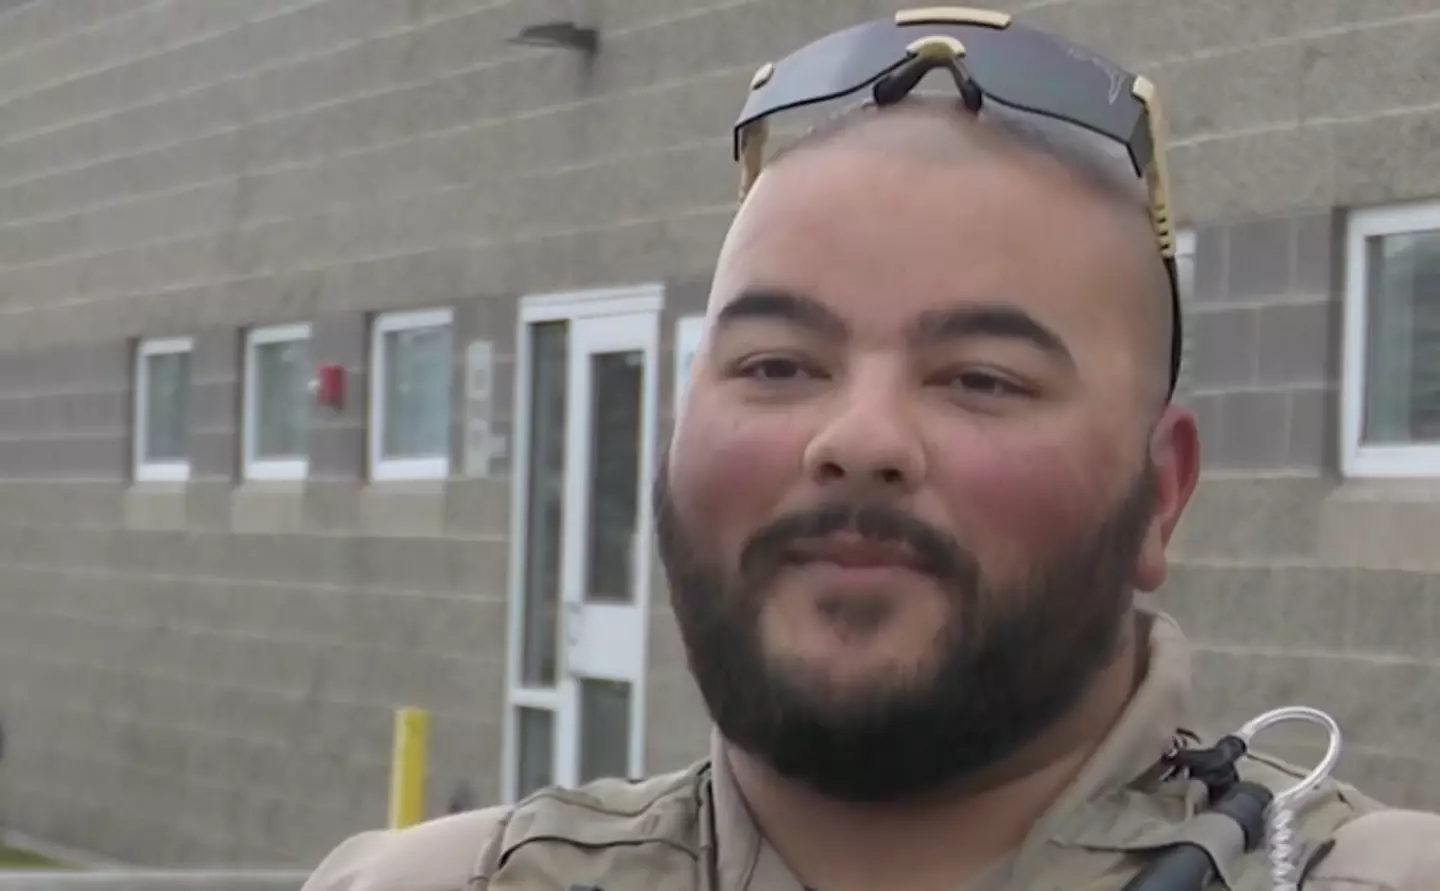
[[880, 231]]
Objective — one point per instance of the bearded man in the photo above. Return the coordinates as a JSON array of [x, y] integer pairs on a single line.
[[927, 458]]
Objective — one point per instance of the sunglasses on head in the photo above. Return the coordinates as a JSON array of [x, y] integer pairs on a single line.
[[990, 57]]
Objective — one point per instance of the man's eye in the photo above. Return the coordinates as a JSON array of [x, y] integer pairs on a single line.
[[773, 368], [986, 383]]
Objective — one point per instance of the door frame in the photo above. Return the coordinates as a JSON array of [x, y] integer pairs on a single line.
[[570, 306]]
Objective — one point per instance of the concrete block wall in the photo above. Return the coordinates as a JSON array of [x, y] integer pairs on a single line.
[[204, 673]]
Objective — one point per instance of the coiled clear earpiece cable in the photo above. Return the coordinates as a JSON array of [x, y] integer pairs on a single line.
[[1280, 842]]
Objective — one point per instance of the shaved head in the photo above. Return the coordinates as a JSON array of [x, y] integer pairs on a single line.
[[942, 129]]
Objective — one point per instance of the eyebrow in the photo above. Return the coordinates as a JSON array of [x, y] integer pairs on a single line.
[[783, 306], [931, 328], [1004, 322]]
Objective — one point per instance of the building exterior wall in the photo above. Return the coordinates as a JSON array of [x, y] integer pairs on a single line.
[[204, 671]]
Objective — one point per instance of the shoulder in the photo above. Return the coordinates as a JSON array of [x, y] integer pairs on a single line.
[[1331, 805], [444, 854], [1395, 850], [438, 855], [1356, 843]]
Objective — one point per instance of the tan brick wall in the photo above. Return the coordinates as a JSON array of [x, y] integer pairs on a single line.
[[177, 668]]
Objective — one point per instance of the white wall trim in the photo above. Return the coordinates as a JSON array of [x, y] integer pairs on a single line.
[[689, 330], [569, 305], [1356, 458], [645, 533], [154, 471], [382, 468], [515, 696]]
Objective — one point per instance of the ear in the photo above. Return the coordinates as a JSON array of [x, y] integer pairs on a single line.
[[1175, 457]]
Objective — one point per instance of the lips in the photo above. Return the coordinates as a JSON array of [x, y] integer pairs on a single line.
[[854, 552]]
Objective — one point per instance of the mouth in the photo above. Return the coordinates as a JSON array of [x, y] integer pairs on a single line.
[[854, 552]]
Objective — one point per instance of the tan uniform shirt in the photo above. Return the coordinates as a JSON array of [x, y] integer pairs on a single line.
[[690, 831]]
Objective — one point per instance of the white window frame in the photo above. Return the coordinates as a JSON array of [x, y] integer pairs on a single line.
[[155, 471], [381, 468], [1356, 458], [256, 468]]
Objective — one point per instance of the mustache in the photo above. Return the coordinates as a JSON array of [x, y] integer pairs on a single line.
[[938, 554]]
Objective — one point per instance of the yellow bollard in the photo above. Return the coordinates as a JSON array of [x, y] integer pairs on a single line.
[[407, 767]]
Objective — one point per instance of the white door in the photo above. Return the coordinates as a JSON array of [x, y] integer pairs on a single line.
[[606, 546], [576, 700]]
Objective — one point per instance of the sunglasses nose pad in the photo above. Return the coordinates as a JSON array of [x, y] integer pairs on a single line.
[[899, 83]]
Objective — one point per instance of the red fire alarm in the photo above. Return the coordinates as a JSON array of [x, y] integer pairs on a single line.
[[330, 385]]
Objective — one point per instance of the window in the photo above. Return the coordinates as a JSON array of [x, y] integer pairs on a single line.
[[277, 403], [410, 395], [1390, 397], [162, 410]]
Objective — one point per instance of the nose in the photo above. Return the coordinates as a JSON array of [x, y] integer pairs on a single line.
[[870, 443]]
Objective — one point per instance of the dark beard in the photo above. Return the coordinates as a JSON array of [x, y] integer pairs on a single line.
[[1015, 656]]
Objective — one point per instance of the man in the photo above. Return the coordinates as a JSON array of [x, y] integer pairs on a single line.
[[927, 456]]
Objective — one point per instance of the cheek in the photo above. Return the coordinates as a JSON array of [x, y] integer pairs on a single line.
[[729, 474], [1017, 497]]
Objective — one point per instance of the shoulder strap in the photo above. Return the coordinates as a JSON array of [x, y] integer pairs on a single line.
[[489, 858]]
